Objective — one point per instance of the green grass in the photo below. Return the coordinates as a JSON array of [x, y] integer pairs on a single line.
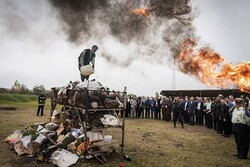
[[17, 97], [21, 100], [150, 143]]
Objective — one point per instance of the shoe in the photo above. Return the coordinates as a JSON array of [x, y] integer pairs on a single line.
[[236, 155], [240, 157]]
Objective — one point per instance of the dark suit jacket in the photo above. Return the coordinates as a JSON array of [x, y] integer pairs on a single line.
[[191, 106], [201, 106]]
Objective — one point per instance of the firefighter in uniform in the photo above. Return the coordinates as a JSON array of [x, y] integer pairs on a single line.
[[41, 103], [240, 128]]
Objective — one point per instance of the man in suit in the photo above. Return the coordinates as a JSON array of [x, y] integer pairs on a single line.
[[184, 107], [191, 110], [199, 111], [217, 114]]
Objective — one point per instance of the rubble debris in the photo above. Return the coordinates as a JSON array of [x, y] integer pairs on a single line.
[[14, 137], [89, 92], [67, 137]]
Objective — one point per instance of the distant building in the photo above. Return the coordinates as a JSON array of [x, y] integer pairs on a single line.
[[204, 93]]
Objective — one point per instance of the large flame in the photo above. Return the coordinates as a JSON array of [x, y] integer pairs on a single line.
[[205, 63], [141, 12]]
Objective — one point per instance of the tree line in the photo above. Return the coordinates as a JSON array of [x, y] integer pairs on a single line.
[[22, 89]]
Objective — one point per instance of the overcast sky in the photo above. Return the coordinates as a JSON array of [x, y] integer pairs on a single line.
[[35, 51]]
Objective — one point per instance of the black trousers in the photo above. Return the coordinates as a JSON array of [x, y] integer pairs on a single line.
[[40, 108], [191, 117], [241, 133], [177, 115], [185, 116], [147, 114], [84, 77], [220, 125], [210, 120], [199, 119]]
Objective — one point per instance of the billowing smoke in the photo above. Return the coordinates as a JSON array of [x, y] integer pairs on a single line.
[[156, 37]]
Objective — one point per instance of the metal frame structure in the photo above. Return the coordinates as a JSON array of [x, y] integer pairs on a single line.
[[88, 110]]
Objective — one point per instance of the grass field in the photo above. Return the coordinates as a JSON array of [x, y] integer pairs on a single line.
[[150, 143]]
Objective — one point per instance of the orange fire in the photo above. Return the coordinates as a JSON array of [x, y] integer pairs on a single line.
[[205, 63], [141, 12]]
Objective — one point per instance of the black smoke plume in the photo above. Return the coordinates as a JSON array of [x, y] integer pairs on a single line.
[[168, 24]]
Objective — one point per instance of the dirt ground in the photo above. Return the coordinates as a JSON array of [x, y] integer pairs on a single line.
[[150, 143]]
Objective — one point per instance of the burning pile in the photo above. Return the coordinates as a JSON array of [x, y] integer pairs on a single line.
[[204, 64], [67, 137]]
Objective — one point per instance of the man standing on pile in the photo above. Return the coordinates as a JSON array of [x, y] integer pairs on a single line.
[[41, 103], [85, 58]]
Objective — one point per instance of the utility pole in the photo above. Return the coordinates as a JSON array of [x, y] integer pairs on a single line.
[[174, 76]]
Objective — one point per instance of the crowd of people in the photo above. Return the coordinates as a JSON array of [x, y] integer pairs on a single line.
[[226, 115]]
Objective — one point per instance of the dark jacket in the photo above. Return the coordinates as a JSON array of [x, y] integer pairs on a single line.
[[41, 100], [225, 112], [176, 108], [191, 106], [85, 58], [201, 106]]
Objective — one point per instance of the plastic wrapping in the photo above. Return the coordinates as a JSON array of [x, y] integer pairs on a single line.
[[63, 158]]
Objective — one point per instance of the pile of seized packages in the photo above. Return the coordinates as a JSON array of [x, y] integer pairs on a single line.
[[62, 140]]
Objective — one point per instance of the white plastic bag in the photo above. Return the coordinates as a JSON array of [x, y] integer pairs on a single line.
[[25, 141], [14, 137], [109, 120], [87, 70], [63, 158]]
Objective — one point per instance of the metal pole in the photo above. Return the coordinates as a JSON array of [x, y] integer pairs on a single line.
[[52, 104], [85, 120], [123, 119]]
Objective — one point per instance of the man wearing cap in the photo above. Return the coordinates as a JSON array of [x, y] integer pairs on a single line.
[[85, 58], [240, 129]]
